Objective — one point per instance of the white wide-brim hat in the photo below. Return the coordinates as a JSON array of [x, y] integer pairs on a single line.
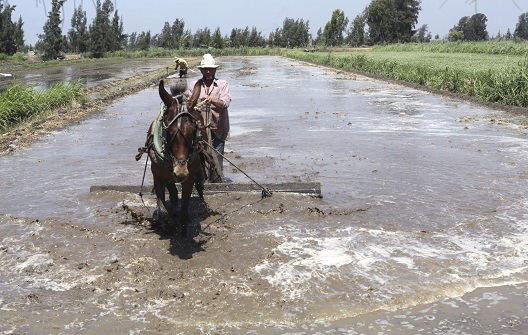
[[176, 59], [207, 62]]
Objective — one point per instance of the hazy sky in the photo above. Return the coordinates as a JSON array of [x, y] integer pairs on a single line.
[[266, 16]]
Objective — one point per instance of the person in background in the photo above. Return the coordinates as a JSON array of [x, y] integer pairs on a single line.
[[182, 66], [212, 97]]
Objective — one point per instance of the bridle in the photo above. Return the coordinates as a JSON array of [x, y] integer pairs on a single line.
[[169, 140]]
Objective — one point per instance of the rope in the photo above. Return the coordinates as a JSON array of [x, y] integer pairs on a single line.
[[142, 182], [265, 191]]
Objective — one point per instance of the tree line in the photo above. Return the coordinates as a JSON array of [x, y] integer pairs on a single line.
[[381, 22]]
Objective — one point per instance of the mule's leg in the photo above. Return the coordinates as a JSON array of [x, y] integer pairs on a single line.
[[173, 195], [199, 183], [187, 187], [172, 208], [159, 189]]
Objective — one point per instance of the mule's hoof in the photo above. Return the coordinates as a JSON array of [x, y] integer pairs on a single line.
[[159, 215]]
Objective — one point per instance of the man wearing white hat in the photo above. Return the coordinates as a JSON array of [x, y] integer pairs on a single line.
[[213, 96], [181, 65]]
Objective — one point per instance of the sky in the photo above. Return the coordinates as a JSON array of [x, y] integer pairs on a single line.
[[265, 16]]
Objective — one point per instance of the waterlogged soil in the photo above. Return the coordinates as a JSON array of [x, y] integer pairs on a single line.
[[121, 275], [289, 263]]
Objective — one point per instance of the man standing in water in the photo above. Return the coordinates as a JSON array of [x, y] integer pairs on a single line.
[[181, 65], [212, 97]]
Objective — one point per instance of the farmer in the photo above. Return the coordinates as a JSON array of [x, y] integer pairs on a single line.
[[181, 65], [212, 97]]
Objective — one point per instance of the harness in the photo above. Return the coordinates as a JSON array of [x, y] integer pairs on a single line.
[[161, 140]]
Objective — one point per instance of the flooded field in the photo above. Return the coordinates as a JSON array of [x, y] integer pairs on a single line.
[[88, 73], [422, 228]]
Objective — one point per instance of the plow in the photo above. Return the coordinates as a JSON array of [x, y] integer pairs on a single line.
[[309, 188]]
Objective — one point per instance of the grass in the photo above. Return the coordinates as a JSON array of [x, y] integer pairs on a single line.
[[493, 77], [20, 103], [509, 47]]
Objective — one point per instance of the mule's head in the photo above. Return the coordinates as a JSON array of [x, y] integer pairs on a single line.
[[180, 135]]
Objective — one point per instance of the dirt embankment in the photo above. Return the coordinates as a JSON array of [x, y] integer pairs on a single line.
[[106, 93]]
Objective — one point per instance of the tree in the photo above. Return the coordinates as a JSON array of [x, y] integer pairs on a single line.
[[6, 30], [165, 39], [274, 38], [106, 35], [19, 35], [521, 29], [477, 26], [143, 41], [423, 35], [132, 41], [98, 31], [407, 16], [11, 34], [293, 34], [255, 39], [119, 37], [78, 34], [378, 17], [455, 35], [472, 28], [319, 37], [333, 31], [356, 36], [392, 21], [217, 39], [179, 35], [52, 40], [235, 38], [202, 38]]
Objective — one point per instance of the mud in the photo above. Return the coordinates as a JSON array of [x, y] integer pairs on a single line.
[[122, 274]]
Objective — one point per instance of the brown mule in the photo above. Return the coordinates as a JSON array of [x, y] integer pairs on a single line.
[[175, 155]]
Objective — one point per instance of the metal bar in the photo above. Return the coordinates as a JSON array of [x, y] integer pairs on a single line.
[[211, 188]]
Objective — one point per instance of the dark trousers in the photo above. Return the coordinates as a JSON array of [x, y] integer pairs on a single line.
[[219, 145]]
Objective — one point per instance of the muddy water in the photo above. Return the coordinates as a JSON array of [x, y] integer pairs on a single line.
[[89, 74], [422, 227]]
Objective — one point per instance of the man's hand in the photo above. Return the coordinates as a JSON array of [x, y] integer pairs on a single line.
[[207, 99]]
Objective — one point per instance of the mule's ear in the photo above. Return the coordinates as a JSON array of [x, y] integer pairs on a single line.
[[164, 95]]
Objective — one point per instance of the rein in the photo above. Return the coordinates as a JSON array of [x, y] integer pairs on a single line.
[[193, 145]]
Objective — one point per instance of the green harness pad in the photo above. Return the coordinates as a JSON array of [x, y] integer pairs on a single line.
[[159, 144]]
